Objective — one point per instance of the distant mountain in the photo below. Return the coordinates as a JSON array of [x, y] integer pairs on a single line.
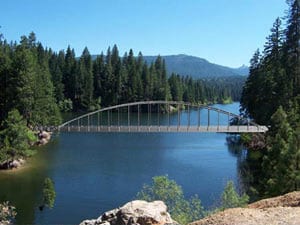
[[197, 67], [243, 70]]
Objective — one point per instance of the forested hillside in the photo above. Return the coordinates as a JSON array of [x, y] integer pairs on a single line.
[[271, 96], [197, 67], [40, 83]]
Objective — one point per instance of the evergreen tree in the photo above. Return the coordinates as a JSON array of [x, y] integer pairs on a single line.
[[15, 138], [98, 74], [231, 199], [251, 97], [56, 67], [275, 158], [22, 80], [69, 74], [147, 84], [86, 78], [132, 77], [292, 46], [139, 70], [45, 111], [5, 83]]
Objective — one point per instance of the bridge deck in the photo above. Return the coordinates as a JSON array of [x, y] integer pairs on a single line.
[[146, 129]]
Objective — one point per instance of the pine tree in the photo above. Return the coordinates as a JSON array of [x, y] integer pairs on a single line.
[[56, 67], [15, 138], [22, 80], [45, 111], [5, 86], [98, 74], [147, 84], [132, 77], [251, 95], [292, 46], [275, 159], [69, 80], [116, 75], [139, 70]]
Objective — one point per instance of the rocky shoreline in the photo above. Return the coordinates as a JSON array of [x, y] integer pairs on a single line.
[[137, 212], [43, 138], [281, 210]]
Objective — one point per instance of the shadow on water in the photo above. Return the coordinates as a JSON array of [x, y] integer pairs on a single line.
[[23, 187]]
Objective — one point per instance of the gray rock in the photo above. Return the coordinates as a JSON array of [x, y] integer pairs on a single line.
[[135, 213]]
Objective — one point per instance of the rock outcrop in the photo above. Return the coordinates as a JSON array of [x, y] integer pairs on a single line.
[[282, 210], [12, 164], [43, 137], [135, 213]]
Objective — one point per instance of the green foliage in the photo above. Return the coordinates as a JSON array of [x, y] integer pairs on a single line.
[[271, 96], [49, 194], [26, 82], [283, 147], [231, 199], [274, 76], [65, 105], [7, 213], [15, 138], [168, 191]]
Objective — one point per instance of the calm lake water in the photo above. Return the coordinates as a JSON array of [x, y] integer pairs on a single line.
[[96, 172]]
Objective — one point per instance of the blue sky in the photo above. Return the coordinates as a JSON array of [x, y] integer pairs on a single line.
[[225, 32]]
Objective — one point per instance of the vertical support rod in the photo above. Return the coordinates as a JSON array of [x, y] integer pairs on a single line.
[[168, 111], [150, 110], [100, 118], [88, 122], [238, 125], [68, 127], [108, 120], [208, 118], [98, 121], [218, 120], [128, 117], [199, 118], [189, 117], [78, 124], [148, 122], [248, 124], [158, 122], [119, 119], [139, 117], [228, 122], [178, 117]]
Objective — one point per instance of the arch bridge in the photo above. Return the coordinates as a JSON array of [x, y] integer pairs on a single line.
[[161, 116]]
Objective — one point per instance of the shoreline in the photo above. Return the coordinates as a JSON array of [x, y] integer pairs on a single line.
[[43, 138]]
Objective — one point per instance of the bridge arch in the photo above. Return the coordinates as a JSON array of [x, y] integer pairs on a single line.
[[93, 121]]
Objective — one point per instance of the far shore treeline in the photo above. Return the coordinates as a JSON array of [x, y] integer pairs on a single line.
[[40, 83]]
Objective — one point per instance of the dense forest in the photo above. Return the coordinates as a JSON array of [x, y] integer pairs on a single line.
[[271, 96], [41, 83]]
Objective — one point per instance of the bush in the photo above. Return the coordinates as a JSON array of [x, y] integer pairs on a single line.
[[65, 105], [231, 199], [7, 213], [182, 210], [48, 193]]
